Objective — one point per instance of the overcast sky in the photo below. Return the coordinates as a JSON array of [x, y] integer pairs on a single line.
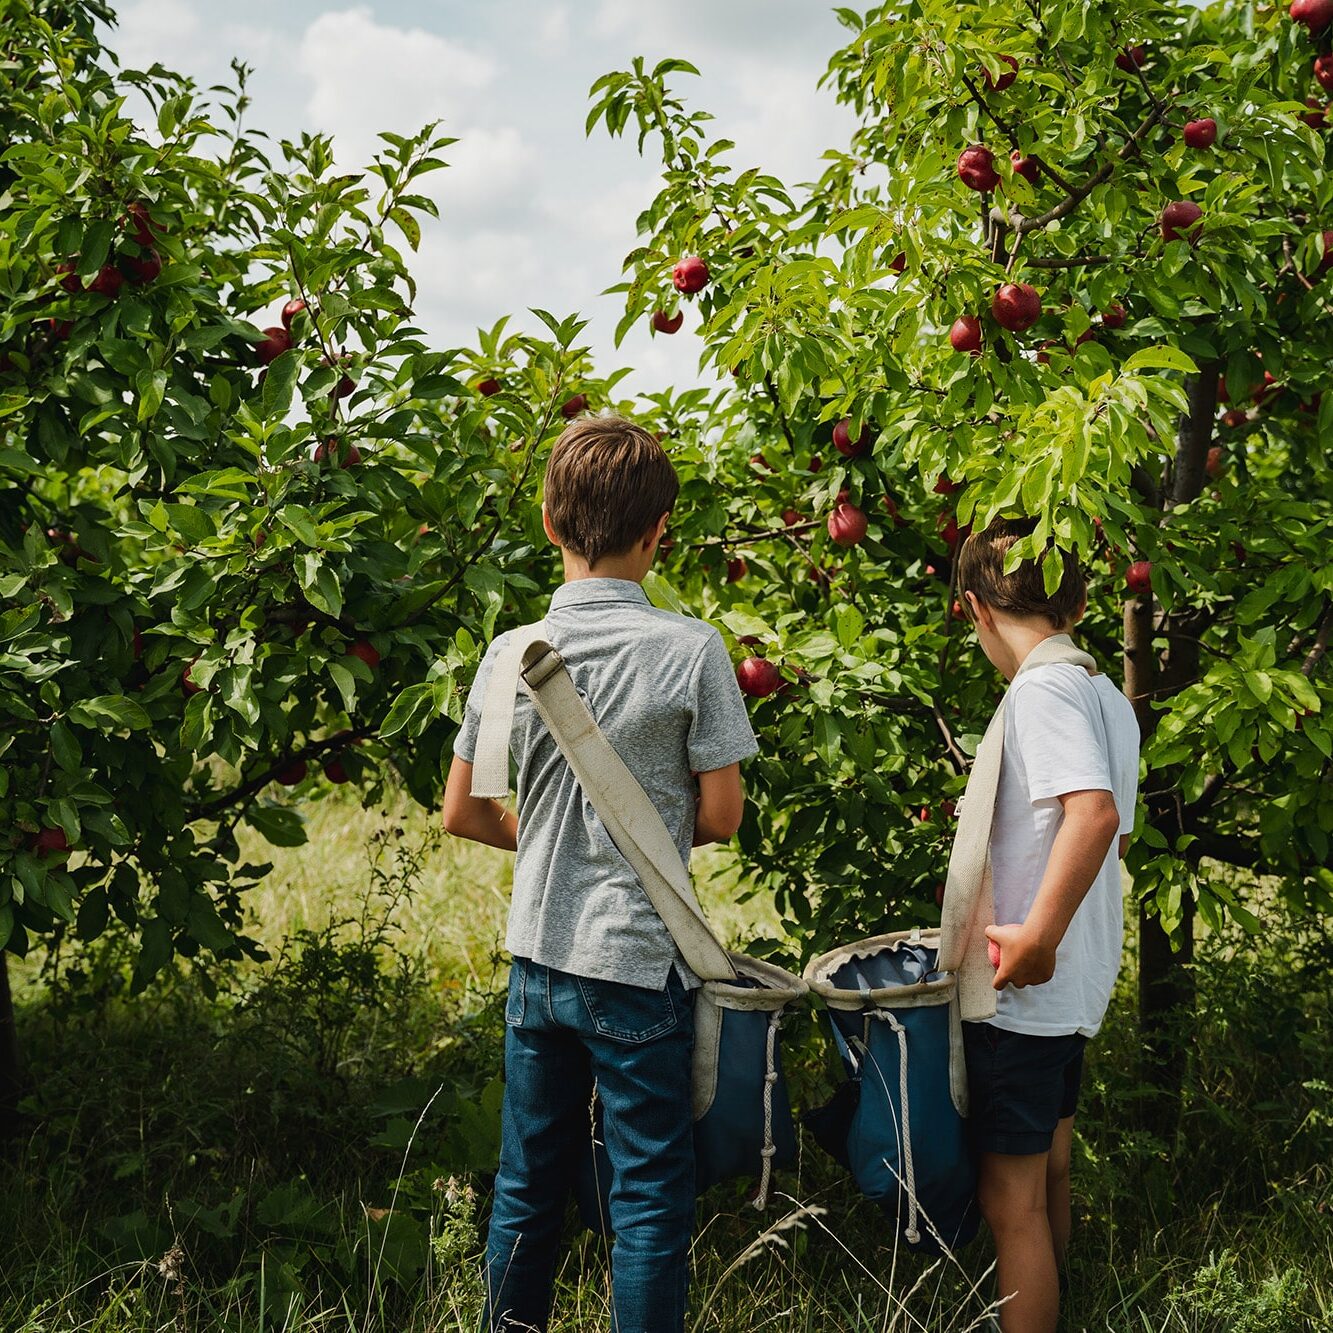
[[532, 213]]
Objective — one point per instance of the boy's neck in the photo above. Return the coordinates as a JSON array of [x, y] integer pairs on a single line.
[[1015, 639], [632, 567]]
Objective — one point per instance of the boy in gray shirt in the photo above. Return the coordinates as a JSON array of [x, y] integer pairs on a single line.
[[598, 991]]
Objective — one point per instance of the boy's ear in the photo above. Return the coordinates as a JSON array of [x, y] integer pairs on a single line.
[[552, 535], [980, 612], [654, 534]]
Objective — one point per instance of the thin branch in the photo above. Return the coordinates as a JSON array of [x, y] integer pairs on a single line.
[[1320, 646], [777, 407], [1074, 261]]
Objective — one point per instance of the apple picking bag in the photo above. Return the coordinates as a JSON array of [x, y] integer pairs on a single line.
[[896, 1006], [742, 1113]]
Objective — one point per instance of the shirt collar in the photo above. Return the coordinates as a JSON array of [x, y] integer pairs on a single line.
[[580, 592]]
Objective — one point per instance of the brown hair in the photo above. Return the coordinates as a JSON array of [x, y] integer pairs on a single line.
[[1022, 593], [608, 481]]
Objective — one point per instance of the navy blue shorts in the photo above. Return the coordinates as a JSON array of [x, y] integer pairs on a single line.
[[1019, 1087]]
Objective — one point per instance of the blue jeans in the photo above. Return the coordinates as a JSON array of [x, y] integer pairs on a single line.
[[563, 1034]]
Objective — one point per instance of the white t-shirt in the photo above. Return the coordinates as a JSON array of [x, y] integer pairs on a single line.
[[1064, 731]]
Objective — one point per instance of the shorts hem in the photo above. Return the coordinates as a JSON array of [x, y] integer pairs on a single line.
[[1029, 1144]]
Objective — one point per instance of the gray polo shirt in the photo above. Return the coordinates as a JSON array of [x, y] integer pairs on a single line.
[[663, 689]]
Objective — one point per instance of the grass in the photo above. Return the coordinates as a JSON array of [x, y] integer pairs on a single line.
[[306, 1149]]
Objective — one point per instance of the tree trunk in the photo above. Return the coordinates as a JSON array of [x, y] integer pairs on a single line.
[[1166, 987], [10, 1068]]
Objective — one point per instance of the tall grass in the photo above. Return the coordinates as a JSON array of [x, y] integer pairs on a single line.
[[307, 1149]]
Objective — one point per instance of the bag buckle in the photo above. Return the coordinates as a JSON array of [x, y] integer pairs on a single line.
[[549, 663]]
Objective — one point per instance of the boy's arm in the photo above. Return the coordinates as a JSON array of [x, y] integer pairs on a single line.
[[478, 818], [1027, 951], [720, 806]]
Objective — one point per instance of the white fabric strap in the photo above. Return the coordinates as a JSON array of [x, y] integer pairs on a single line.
[[490, 763], [969, 899], [623, 806]]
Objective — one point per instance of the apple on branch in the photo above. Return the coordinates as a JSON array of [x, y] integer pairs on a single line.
[[664, 323], [1006, 78], [273, 344], [1024, 166], [845, 444], [1316, 15], [1138, 577], [758, 677], [1179, 220], [965, 334], [1016, 306], [976, 168], [847, 524], [690, 275], [1200, 133]]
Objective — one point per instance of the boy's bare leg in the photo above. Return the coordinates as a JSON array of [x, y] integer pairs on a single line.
[[1012, 1195], [1057, 1187]]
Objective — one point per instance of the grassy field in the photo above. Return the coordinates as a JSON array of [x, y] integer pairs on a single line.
[[305, 1148]]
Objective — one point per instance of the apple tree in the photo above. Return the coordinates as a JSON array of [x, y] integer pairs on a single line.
[[251, 524], [1076, 263]]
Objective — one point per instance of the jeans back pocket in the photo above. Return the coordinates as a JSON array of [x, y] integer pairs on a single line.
[[628, 1013]]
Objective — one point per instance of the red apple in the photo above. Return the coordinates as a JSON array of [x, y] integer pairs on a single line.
[[943, 486], [328, 450], [70, 279], [1317, 116], [843, 442], [1016, 306], [488, 388], [108, 282], [1262, 390], [1235, 417], [898, 262], [1314, 14], [1323, 72], [1027, 167], [1200, 133], [345, 386], [292, 773], [1005, 79], [273, 344], [847, 525], [737, 569], [759, 461], [1178, 221], [571, 407], [1326, 261], [1131, 57], [758, 677], [965, 334], [139, 224], [145, 269], [366, 651], [49, 841], [1213, 465], [290, 311], [334, 771], [993, 953], [664, 323], [690, 275], [816, 463], [947, 526], [187, 680], [1114, 316], [976, 168], [1138, 577], [60, 328], [790, 518]]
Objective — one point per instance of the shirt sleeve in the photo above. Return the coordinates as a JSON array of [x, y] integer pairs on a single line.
[[720, 732], [1060, 733], [465, 743]]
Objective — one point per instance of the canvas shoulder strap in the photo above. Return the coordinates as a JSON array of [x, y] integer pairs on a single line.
[[969, 899], [631, 819]]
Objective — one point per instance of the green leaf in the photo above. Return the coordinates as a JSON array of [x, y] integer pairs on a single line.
[[151, 384], [278, 824], [407, 710], [107, 712], [408, 225]]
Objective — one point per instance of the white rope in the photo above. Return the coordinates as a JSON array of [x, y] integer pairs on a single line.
[[910, 1232], [770, 1078]]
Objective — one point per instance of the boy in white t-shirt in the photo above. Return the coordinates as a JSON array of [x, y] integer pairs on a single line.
[[1063, 815]]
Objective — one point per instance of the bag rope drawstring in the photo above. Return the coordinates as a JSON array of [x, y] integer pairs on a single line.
[[769, 1149], [911, 1233]]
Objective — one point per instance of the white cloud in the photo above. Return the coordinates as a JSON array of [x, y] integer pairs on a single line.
[[367, 76]]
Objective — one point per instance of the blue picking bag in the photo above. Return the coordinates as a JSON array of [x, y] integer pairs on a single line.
[[743, 1123], [899, 1126]]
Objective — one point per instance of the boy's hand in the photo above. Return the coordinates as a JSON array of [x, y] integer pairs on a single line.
[[1025, 958]]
